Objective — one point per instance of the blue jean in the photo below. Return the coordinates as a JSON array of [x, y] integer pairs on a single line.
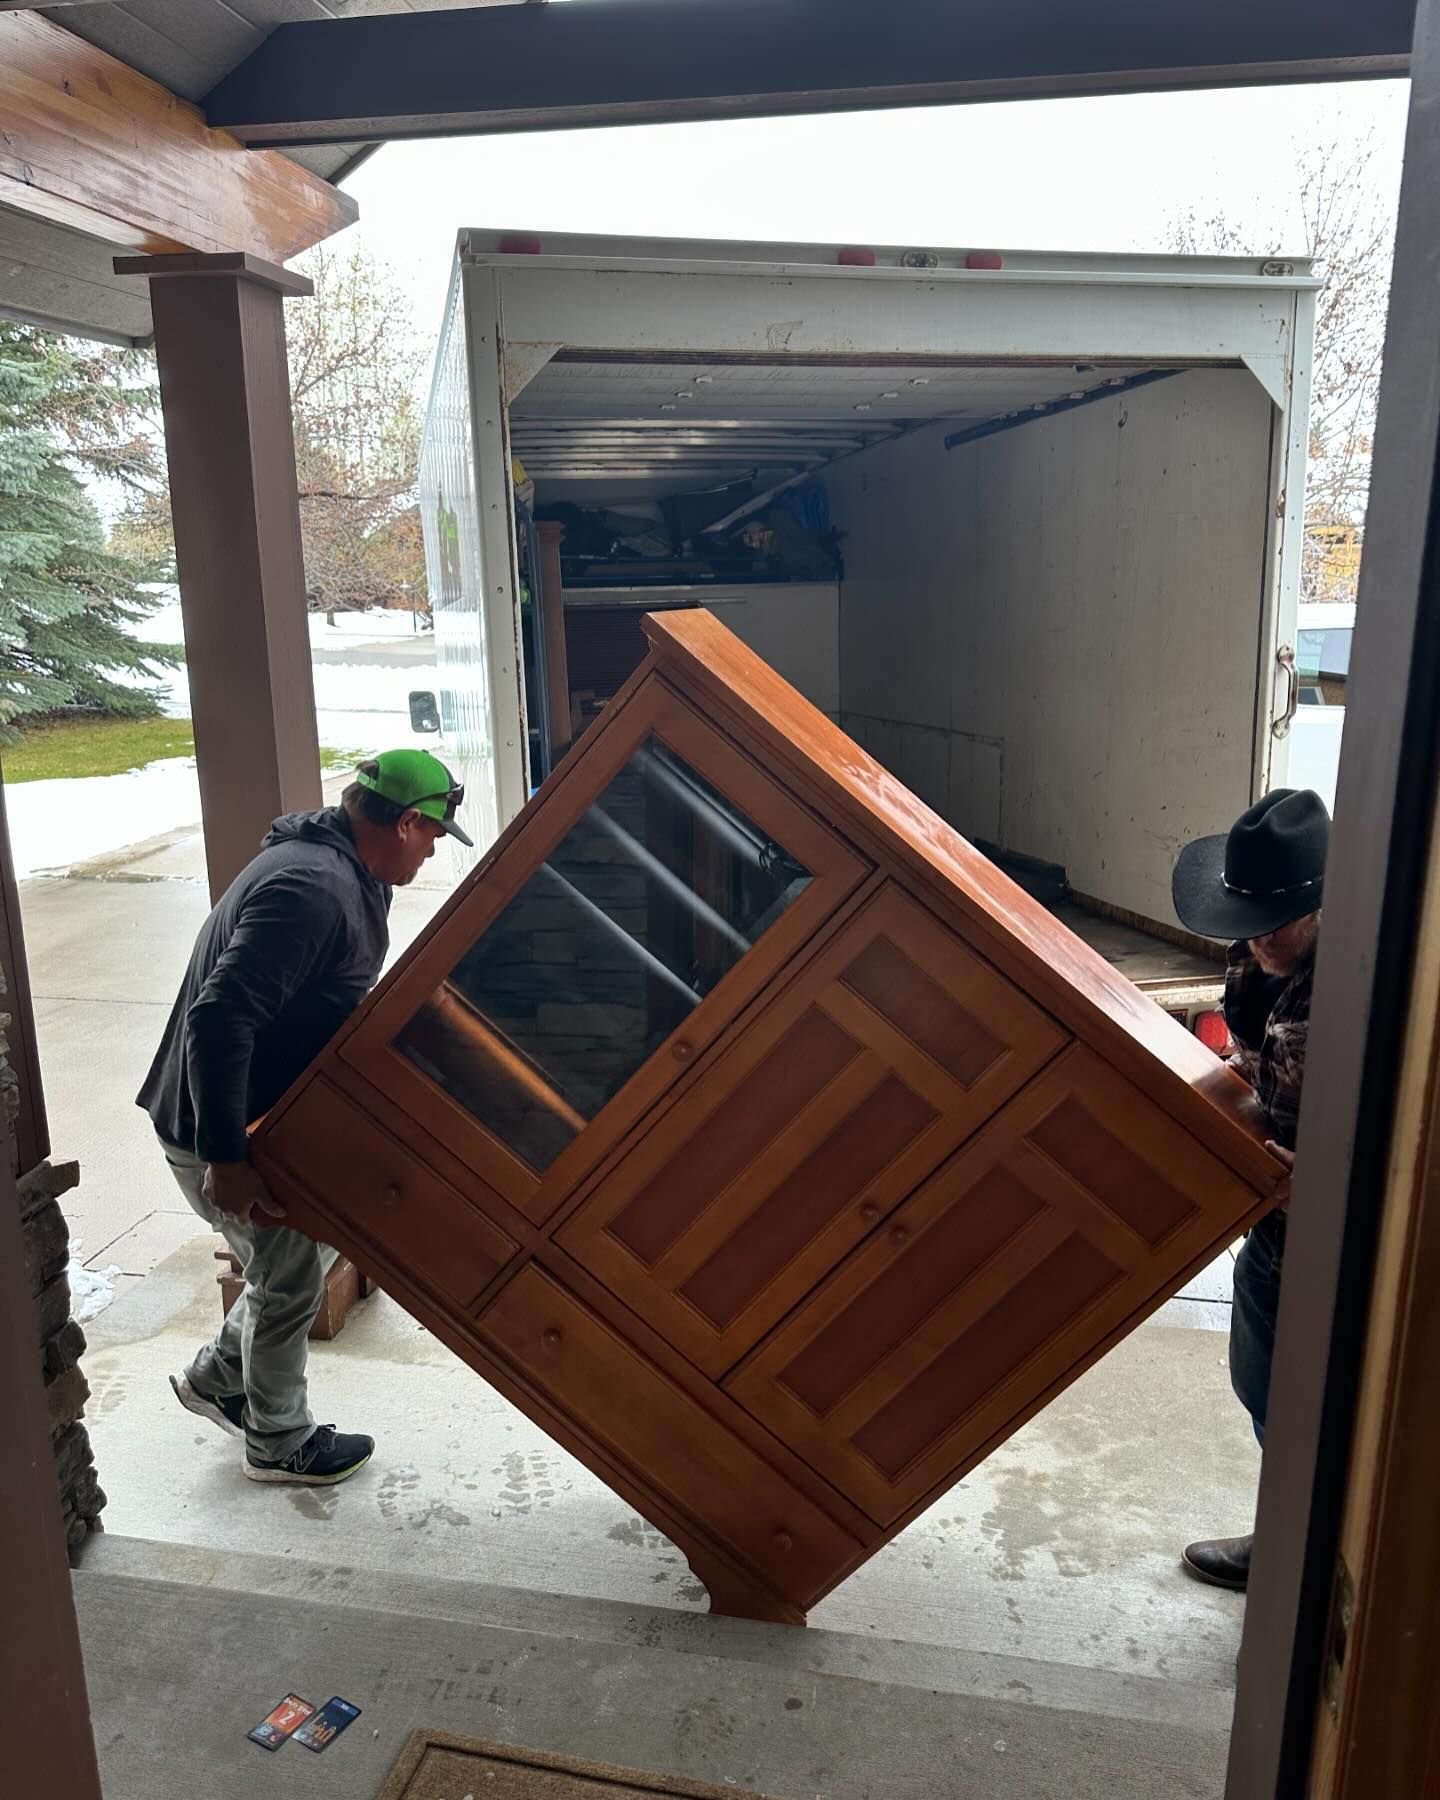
[[1253, 1315]]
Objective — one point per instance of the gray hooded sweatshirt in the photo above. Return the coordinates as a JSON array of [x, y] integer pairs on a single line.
[[289, 951]]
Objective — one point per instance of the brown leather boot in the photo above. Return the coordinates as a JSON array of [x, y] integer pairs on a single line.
[[1220, 1562]]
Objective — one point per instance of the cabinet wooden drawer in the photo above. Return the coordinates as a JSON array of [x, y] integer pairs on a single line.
[[381, 1193], [1075, 1209], [673, 1444], [875, 1063]]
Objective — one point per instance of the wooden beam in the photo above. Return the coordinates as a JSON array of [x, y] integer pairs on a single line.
[[225, 393], [90, 144], [612, 62]]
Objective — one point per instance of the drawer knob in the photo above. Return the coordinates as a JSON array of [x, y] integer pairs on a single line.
[[900, 1234], [391, 1193], [553, 1336], [683, 1050], [870, 1211], [784, 1542]]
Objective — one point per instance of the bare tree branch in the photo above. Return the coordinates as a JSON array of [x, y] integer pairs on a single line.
[[1350, 224]]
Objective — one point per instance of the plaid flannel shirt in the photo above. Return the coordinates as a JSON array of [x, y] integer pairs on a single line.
[[1269, 1020]]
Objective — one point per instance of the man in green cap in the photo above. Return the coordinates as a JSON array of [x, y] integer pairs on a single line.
[[289, 951]]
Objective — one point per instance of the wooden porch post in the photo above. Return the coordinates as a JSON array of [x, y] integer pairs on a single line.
[[225, 391]]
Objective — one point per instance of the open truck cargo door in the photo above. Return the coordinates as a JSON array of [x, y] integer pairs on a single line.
[[467, 516]]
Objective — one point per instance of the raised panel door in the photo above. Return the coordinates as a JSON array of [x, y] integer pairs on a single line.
[[892, 1046], [1081, 1205]]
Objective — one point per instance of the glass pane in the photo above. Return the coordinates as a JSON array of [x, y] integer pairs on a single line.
[[1325, 652], [639, 912]]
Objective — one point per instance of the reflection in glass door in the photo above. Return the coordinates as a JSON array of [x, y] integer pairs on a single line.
[[639, 912]]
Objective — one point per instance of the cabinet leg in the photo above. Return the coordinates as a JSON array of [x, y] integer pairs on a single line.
[[733, 1596]]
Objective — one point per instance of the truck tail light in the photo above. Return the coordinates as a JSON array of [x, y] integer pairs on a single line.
[[984, 259], [1213, 1032], [857, 259], [520, 243]]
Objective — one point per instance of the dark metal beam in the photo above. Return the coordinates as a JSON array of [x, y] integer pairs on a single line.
[[608, 62], [1047, 409]]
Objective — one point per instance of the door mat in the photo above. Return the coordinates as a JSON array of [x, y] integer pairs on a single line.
[[436, 1766]]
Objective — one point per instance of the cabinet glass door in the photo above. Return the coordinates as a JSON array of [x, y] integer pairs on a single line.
[[634, 917], [660, 881]]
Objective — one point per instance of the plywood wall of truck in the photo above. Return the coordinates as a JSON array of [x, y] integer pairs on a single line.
[[1052, 634]]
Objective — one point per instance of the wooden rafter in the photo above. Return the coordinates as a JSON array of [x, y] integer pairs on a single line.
[[88, 143]]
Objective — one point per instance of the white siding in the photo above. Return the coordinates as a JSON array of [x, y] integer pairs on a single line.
[[1052, 634]]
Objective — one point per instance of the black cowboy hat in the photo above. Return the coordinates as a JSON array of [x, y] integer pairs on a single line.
[[1266, 871]]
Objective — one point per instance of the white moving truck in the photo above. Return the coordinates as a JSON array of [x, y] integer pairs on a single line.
[[1061, 499]]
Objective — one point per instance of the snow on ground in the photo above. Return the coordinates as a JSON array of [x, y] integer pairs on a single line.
[[361, 708], [91, 1290], [340, 688], [55, 824], [378, 622]]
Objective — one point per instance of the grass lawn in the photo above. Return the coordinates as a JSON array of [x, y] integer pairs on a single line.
[[62, 748]]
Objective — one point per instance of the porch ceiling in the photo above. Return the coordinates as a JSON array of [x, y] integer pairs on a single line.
[[52, 274]]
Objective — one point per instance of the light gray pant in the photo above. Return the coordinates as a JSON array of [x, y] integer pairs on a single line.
[[261, 1348]]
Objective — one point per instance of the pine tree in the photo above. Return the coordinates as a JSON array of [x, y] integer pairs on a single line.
[[66, 603]]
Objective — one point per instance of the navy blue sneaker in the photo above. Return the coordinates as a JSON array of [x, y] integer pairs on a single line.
[[326, 1456], [227, 1411]]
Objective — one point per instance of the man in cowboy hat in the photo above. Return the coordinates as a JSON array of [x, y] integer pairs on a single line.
[[1260, 886]]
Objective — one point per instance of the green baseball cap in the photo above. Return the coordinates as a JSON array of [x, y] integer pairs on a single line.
[[416, 778]]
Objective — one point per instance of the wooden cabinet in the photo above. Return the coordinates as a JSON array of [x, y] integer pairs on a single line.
[[753, 1134], [785, 1153]]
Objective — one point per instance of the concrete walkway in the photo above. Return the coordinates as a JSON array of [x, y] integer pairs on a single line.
[[1063, 1547], [1031, 1638]]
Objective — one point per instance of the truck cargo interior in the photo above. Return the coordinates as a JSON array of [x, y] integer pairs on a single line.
[[910, 548], [1052, 590]]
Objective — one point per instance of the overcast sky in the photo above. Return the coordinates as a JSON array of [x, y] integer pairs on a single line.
[[1108, 174]]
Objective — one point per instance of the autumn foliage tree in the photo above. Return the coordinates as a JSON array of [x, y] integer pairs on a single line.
[[355, 370], [1348, 218]]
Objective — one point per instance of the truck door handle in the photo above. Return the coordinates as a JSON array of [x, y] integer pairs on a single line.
[[1285, 656]]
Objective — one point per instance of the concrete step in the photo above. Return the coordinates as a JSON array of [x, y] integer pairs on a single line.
[[935, 1668], [184, 1646]]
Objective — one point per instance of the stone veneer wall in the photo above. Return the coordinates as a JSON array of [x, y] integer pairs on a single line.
[[59, 1338]]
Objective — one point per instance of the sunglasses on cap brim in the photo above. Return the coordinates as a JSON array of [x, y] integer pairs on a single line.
[[452, 796]]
